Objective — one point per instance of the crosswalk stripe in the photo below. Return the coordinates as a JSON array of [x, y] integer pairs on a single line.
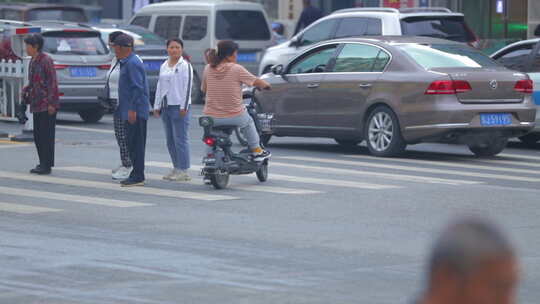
[[519, 156], [70, 197], [392, 176], [449, 164], [416, 169], [300, 179], [25, 209], [247, 187], [503, 162], [85, 129], [116, 187]]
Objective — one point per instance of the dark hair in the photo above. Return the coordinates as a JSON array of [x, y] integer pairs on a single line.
[[35, 40], [225, 49], [113, 35], [178, 40]]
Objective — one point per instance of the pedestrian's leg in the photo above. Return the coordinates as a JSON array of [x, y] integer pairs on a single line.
[[50, 138], [120, 133], [136, 139], [247, 127], [183, 142], [143, 129], [168, 125], [132, 133], [38, 135]]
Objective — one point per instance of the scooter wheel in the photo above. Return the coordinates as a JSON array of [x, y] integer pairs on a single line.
[[262, 173], [219, 180]]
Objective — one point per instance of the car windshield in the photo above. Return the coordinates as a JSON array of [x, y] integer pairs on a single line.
[[447, 56], [451, 28], [74, 43], [56, 14], [241, 25]]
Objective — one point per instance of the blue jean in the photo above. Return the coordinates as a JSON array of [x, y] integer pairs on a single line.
[[177, 133], [246, 125], [136, 134]]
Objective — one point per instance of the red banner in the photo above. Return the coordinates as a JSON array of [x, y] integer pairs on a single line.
[[398, 3]]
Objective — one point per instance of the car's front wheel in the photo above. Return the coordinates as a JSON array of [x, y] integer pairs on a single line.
[[383, 134], [489, 148], [92, 115]]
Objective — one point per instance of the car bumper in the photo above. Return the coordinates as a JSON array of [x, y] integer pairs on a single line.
[[451, 125]]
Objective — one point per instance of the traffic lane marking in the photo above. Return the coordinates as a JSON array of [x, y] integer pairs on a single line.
[[300, 179], [115, 187], [248, 187], [416, 169], [25, 209], [71, 198], [448, 164], [85, 129]]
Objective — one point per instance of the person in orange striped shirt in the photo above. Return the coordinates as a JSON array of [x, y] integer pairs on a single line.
[[222, 82]]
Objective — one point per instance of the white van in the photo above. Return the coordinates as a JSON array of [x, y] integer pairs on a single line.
[[202, 24]]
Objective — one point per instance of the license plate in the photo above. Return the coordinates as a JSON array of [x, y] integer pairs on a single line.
[[495, 119], [247, 57], [83, 71], [153, 65]]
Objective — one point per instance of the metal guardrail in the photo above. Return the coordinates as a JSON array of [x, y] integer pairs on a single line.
[[12, 74]]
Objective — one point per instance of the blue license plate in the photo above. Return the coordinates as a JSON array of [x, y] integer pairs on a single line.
[[83, 71], [247, 57], [495, 119], [153, 65]]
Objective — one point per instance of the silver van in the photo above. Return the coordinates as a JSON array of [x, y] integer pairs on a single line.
[[202, 24]]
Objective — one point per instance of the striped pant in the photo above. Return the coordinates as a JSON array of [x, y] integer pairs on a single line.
[[120, 133]]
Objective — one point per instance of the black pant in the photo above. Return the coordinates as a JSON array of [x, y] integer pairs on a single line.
[[44, 131], [136, 134]]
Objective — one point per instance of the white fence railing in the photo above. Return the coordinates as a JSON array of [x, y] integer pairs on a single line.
[[12, 74]]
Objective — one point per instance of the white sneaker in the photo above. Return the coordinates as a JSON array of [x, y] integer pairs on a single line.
[[170, 175], [122, 173], [181, 176], [116, 169]]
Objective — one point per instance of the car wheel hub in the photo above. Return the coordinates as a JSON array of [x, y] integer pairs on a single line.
[[381, 131]]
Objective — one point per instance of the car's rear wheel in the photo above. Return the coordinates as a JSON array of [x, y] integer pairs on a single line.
[[348, 142], [92, 115], [530, 139], [489, 148], [383, 134]]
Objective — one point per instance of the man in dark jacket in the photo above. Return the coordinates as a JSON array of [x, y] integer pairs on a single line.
[[134, 105], [309, 15]]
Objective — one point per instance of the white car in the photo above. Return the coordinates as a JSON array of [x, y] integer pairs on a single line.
[[361, 22], [524, 56]]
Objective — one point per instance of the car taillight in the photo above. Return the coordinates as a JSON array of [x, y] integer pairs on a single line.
[[104, 66], [61, 66], [448, 87], [209, 141], [524, 86]]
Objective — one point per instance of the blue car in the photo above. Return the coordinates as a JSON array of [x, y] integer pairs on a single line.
[[524, 56]]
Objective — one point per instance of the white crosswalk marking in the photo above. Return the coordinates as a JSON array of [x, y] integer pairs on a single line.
[[70, 197], [105, 131], [416, 169], [449, 164], [519, 156], [116, 187], [300, 179], [501, 162], [25, 209], [247, 187]]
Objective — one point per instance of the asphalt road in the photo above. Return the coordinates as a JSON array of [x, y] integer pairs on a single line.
[[332, 224]]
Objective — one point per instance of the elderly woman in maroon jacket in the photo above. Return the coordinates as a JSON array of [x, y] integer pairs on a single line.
[[42, 96]]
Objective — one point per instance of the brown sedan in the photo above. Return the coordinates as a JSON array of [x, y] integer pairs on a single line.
[[394, 91]]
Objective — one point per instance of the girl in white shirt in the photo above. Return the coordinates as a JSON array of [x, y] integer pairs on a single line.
[[173, 99]]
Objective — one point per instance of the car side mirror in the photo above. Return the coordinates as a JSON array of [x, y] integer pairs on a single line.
[[537, 31], [295, 42], [277, 69]]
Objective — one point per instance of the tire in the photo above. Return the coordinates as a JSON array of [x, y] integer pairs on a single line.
[[220, 180], [196, 93], [491, 148], [92, 115], [530, 139], [262, 173], [383, 134], [241, 138], [348, 142]]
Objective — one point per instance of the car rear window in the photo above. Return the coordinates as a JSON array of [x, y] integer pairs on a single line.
[[56, 14], [146, 37], [451, 28], [241, 25], [73, 43], [447, 56]]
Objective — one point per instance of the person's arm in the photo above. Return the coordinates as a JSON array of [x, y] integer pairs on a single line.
[[137, 89], [51, 85], [300, 23], [157, 98], [262, 84], [188, 81], [245, 77]]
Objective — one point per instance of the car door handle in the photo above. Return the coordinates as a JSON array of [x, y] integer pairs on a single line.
[[313, 85], [364, 85]]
